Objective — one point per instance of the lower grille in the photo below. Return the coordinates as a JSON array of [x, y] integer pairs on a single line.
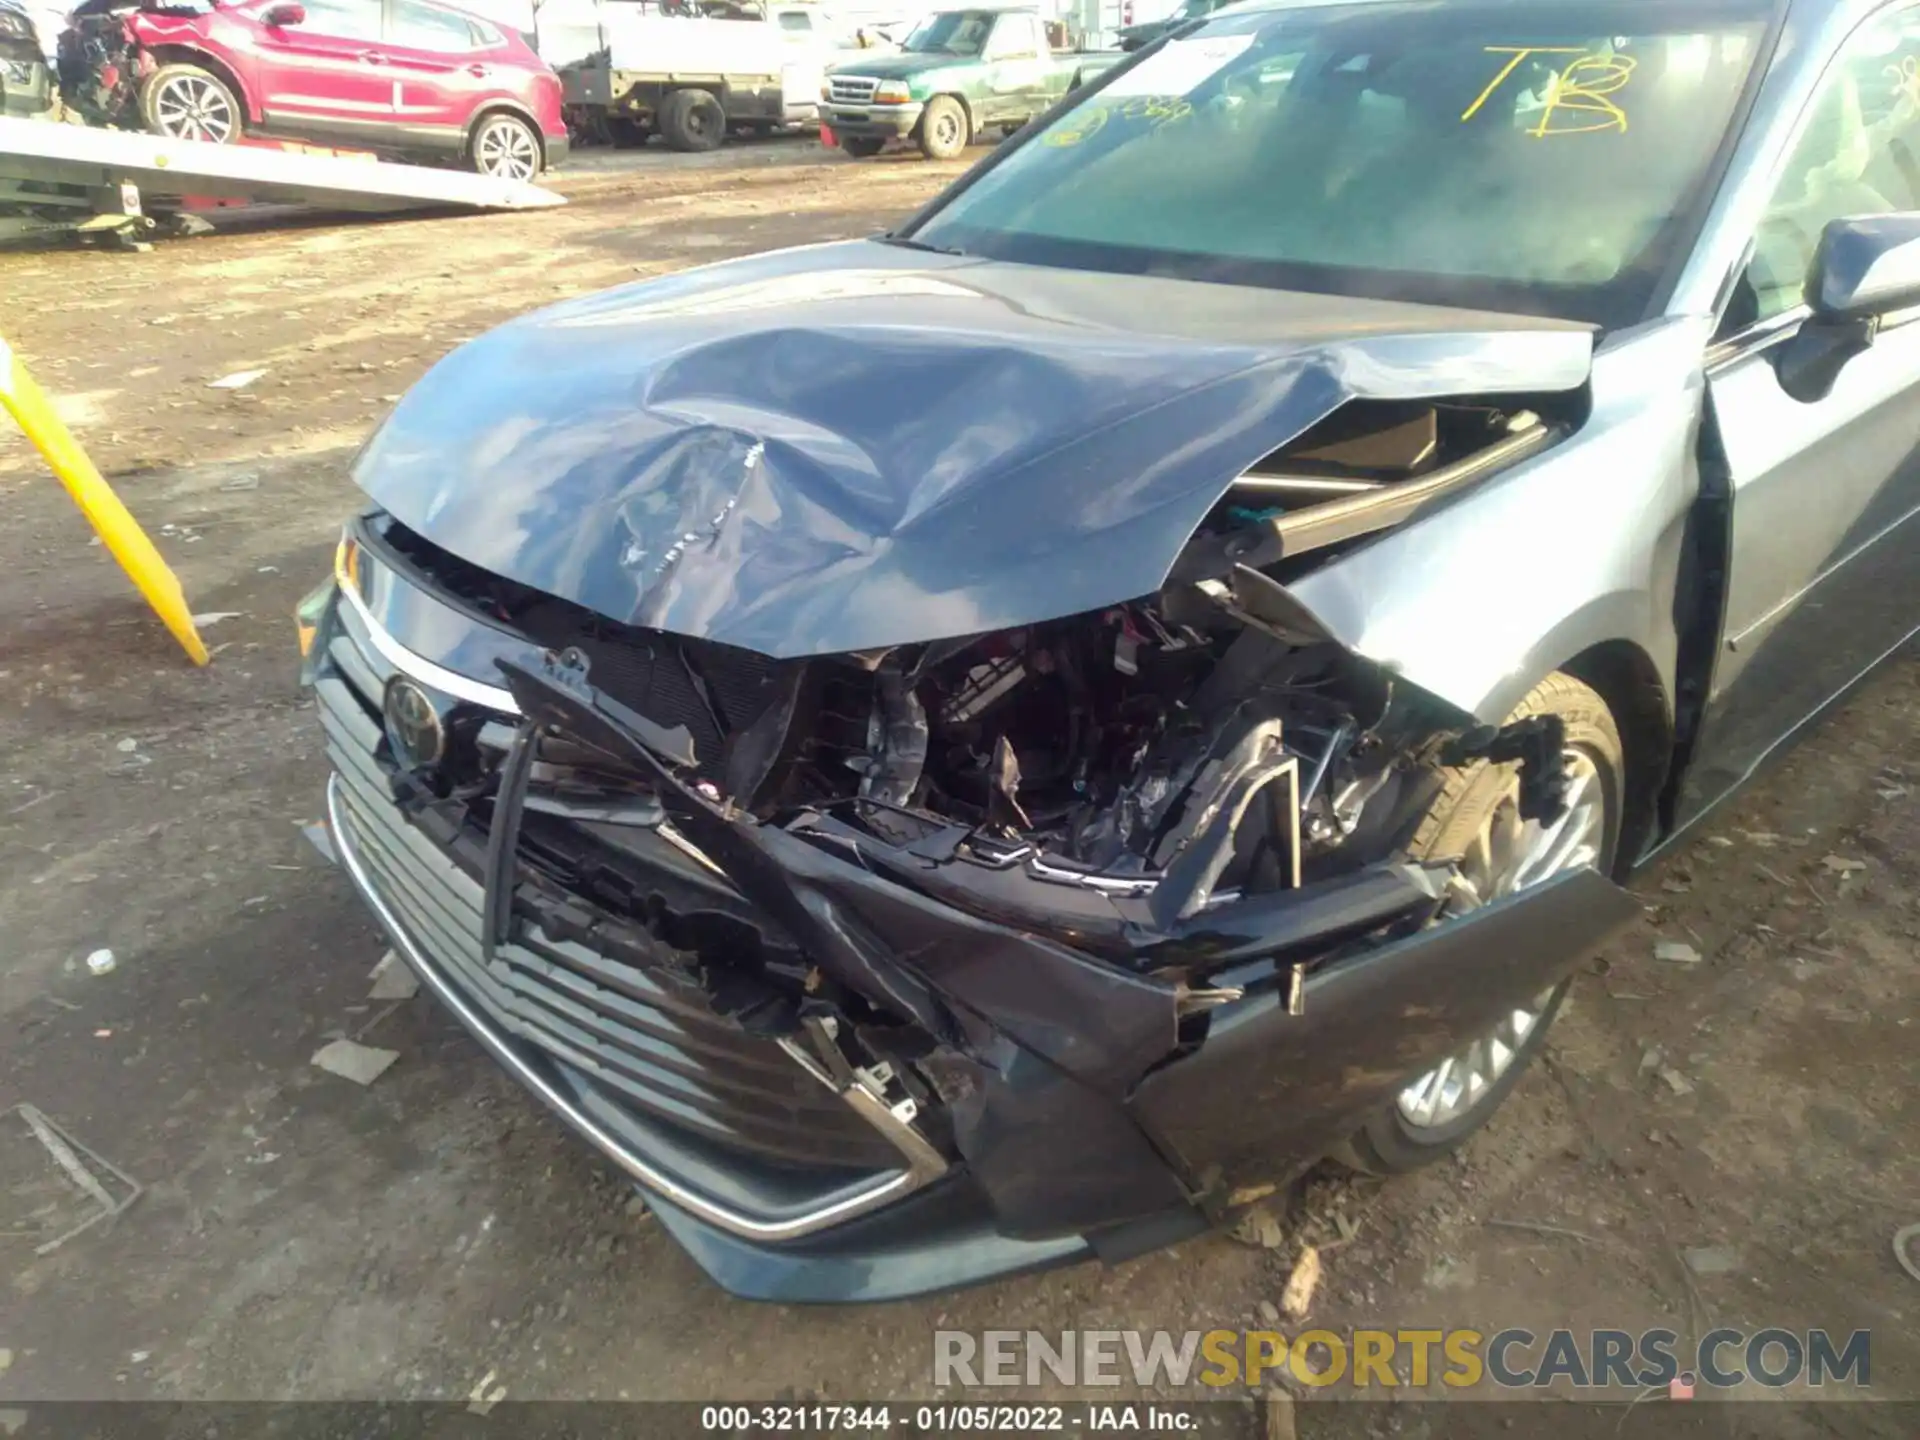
[[645, 1035]]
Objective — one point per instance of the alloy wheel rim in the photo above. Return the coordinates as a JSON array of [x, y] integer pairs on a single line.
[[192, 108], [947, 131], [1506, 856], [507, 151]]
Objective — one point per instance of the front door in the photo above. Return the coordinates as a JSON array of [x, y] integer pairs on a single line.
[[1017, 65], [1825, 564], [327, 77]]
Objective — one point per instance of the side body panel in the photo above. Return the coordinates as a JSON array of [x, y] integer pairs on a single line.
[[1824, 495], [1825, 548]]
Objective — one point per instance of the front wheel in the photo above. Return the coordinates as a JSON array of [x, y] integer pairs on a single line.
[[1476, 820], [944, 131], [185, 102], [505, 147]]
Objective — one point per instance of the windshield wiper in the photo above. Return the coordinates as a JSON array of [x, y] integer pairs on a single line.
[[907, 242]]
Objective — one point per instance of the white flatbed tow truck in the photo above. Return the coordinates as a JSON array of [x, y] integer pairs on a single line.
[[57, 176]]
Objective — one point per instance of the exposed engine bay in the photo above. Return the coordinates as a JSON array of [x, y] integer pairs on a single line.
[[1106, 778]]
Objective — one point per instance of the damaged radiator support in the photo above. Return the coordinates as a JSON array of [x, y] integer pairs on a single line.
[[1256, 768], [1176, 922]]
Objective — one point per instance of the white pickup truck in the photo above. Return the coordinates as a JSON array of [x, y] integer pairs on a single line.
[[630, 69]]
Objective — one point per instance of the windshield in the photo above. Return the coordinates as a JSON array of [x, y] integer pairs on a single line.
[[951, 32], [1536, 158]]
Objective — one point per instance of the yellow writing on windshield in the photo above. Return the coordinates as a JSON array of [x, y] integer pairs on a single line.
[[1577, 100], [1084, 124], [1906, 80], [1157, 108], [1518, 53], [1581, 90]]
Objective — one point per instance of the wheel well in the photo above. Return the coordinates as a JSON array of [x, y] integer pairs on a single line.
[[961, 101], [519, 112], [186, 55], [1624, 676]]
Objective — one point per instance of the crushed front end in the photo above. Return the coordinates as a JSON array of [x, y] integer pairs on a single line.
[[101, 63], [889, 971]]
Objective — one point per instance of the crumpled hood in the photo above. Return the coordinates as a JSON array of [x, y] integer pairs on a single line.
[[858, 445]]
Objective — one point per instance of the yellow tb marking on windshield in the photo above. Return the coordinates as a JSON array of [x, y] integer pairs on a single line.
[[1583, 88], [1577, 100], [1519, 53]]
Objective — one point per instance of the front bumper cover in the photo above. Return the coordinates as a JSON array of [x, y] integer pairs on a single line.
[[876, 122], [1087, 1115]]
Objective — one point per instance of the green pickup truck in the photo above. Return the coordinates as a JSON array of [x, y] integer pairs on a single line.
[[959, 74]]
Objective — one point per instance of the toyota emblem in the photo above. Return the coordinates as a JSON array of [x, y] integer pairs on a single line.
[[414, 728]]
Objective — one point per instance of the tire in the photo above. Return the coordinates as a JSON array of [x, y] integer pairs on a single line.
[[625, 134], [505, 147], [944, 128], [1392, 1141], [188, 102], [692, 121], [862, 147]]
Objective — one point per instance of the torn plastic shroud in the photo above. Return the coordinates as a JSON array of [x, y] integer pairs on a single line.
[[854, 446]]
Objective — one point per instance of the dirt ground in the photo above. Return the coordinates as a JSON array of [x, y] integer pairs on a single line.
[[299, 1236]]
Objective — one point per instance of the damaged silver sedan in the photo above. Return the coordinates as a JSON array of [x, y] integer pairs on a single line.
[[984, 747]]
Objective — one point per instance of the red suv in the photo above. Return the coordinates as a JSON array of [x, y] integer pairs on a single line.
[[399, 76]]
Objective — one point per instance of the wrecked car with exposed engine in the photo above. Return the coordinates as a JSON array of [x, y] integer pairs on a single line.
[[993, 745]]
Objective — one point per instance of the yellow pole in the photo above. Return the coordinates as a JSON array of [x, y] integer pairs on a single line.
[[118, 530]]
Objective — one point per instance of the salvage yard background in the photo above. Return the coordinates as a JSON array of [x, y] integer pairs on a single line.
[[1729, 1137]]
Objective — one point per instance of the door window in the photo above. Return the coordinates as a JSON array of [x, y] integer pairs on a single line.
[[422, 27], [1016, 37], [342, 19], [1859, 154], [796, 20]]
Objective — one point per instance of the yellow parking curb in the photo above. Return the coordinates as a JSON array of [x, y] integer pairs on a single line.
[[118, 530]]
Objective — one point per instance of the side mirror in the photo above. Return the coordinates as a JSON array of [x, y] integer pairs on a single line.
[[1865, 278], [284, 14]]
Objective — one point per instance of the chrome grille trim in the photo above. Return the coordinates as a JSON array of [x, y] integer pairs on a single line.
[[851, 89], [429, 905], [923, 1163]]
